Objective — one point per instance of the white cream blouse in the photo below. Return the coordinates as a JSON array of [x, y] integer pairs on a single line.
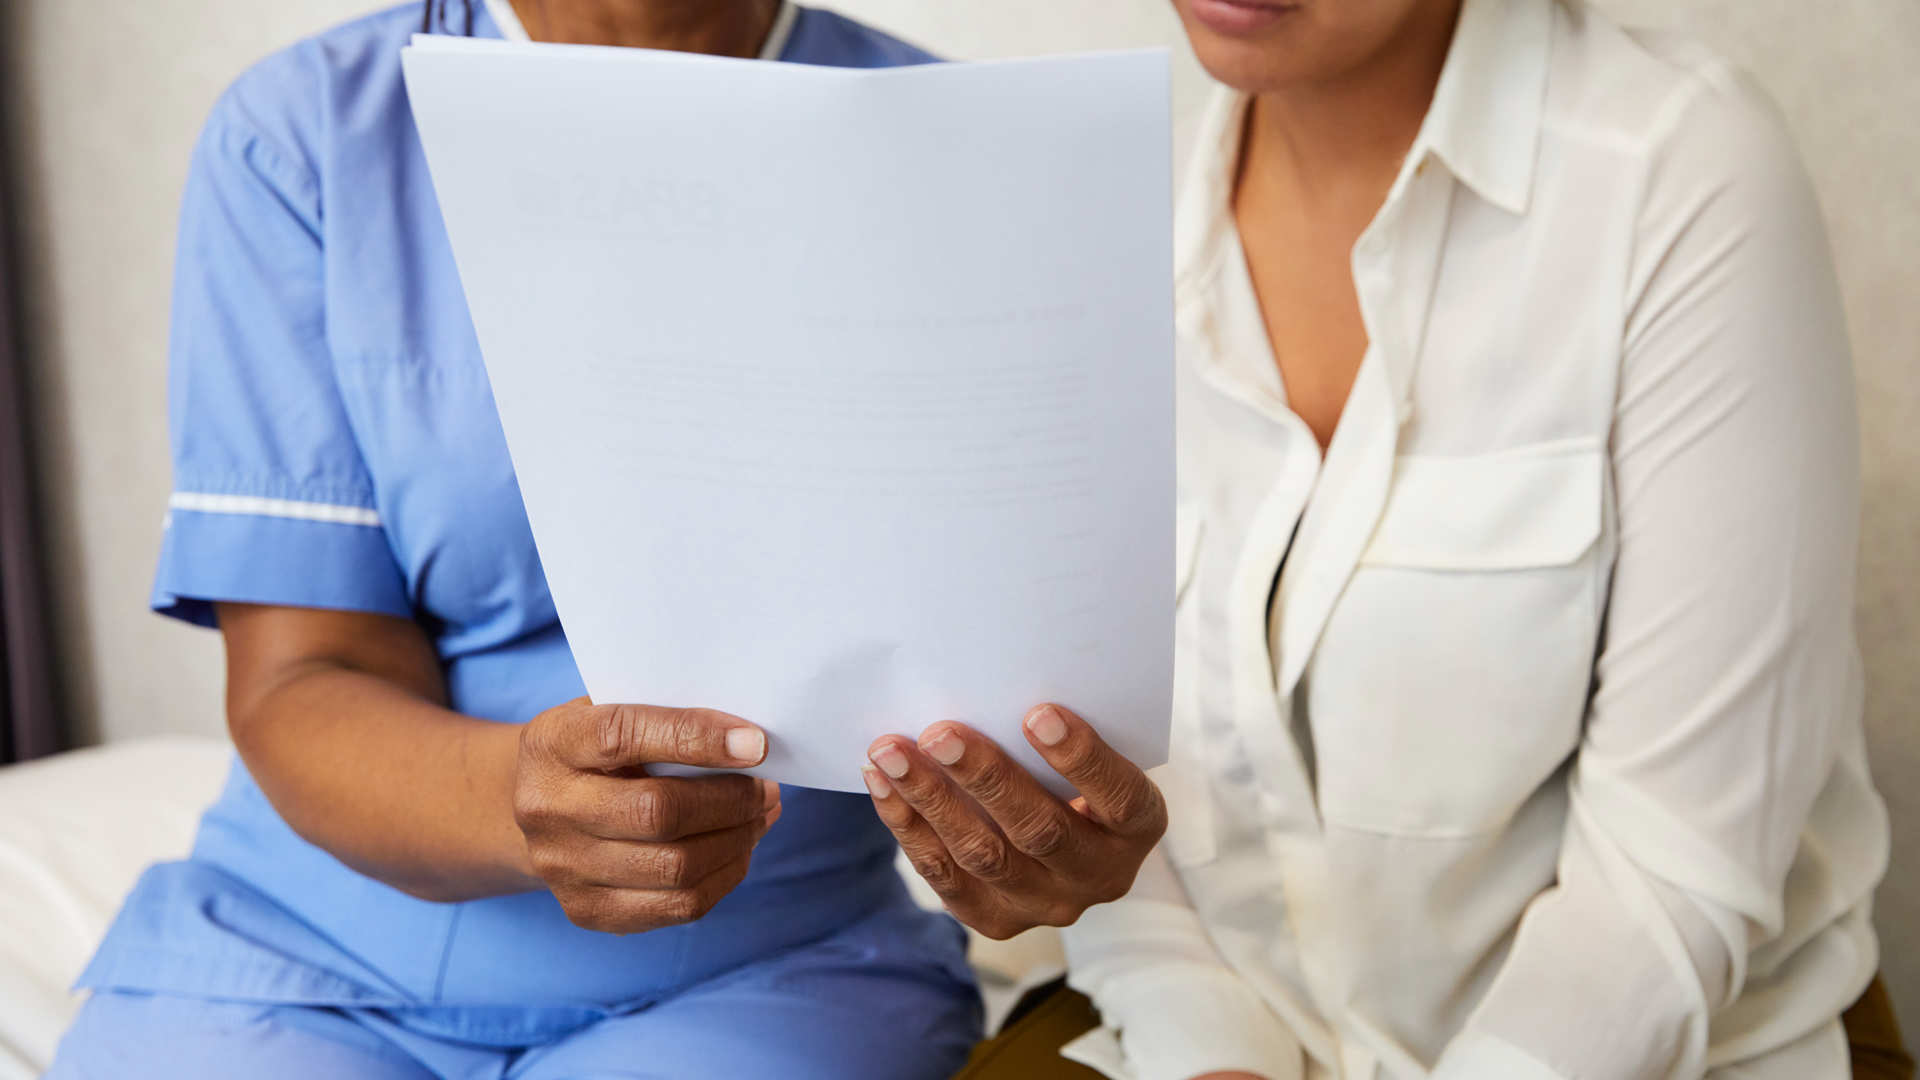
[[1542, 756]]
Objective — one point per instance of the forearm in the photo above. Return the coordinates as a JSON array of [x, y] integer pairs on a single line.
[[1177, 1008], [1612, 973], [390, 782]]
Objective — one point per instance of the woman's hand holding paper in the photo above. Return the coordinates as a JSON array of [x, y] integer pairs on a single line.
[[626, 852], [1004, 853]]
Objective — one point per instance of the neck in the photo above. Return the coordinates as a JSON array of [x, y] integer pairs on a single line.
[[1343, 140], [716, 27]]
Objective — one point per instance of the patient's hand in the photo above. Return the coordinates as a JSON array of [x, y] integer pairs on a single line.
[[1005, 854], [623, 851]]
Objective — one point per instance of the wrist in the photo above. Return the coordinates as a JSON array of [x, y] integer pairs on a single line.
[[493, 753]]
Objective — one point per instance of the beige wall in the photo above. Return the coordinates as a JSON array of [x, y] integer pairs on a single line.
[[106, 96]]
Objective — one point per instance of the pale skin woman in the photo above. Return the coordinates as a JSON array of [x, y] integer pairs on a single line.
[[343, 717], [1339, 88]]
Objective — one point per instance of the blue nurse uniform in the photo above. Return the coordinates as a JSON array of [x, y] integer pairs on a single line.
[[336, 446]]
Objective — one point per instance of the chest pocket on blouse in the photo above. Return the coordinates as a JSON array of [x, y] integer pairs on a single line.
[[1183, 779], [1451, 680]]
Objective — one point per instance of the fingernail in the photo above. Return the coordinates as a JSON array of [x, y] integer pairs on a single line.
[[1047, 726], [876, 784], [769, 794], [746, 744], [891, 760], [945, 747]]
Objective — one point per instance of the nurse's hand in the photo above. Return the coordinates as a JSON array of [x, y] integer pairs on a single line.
[[1004, 853], [626, 852]]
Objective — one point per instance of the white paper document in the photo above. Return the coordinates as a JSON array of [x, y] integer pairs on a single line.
[[840, 400]]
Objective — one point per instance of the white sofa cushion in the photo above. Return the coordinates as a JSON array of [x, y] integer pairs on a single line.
[[76, 830]]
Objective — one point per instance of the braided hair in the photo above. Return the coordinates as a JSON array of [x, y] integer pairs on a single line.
[[428, 18]]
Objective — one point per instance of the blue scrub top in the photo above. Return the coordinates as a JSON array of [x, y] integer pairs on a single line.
[[335, 445]]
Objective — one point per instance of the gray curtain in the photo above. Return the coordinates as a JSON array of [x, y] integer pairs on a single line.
[[28, 723]]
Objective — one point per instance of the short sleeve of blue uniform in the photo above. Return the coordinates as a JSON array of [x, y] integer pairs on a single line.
[[272, 502]]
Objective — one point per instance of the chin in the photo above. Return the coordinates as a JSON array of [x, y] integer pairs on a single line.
[[1311, 43], [1250, 67]]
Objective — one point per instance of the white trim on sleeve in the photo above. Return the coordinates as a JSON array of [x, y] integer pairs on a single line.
[[258, 506]]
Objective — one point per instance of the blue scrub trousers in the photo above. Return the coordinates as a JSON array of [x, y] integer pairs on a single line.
[[838, 1009]]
